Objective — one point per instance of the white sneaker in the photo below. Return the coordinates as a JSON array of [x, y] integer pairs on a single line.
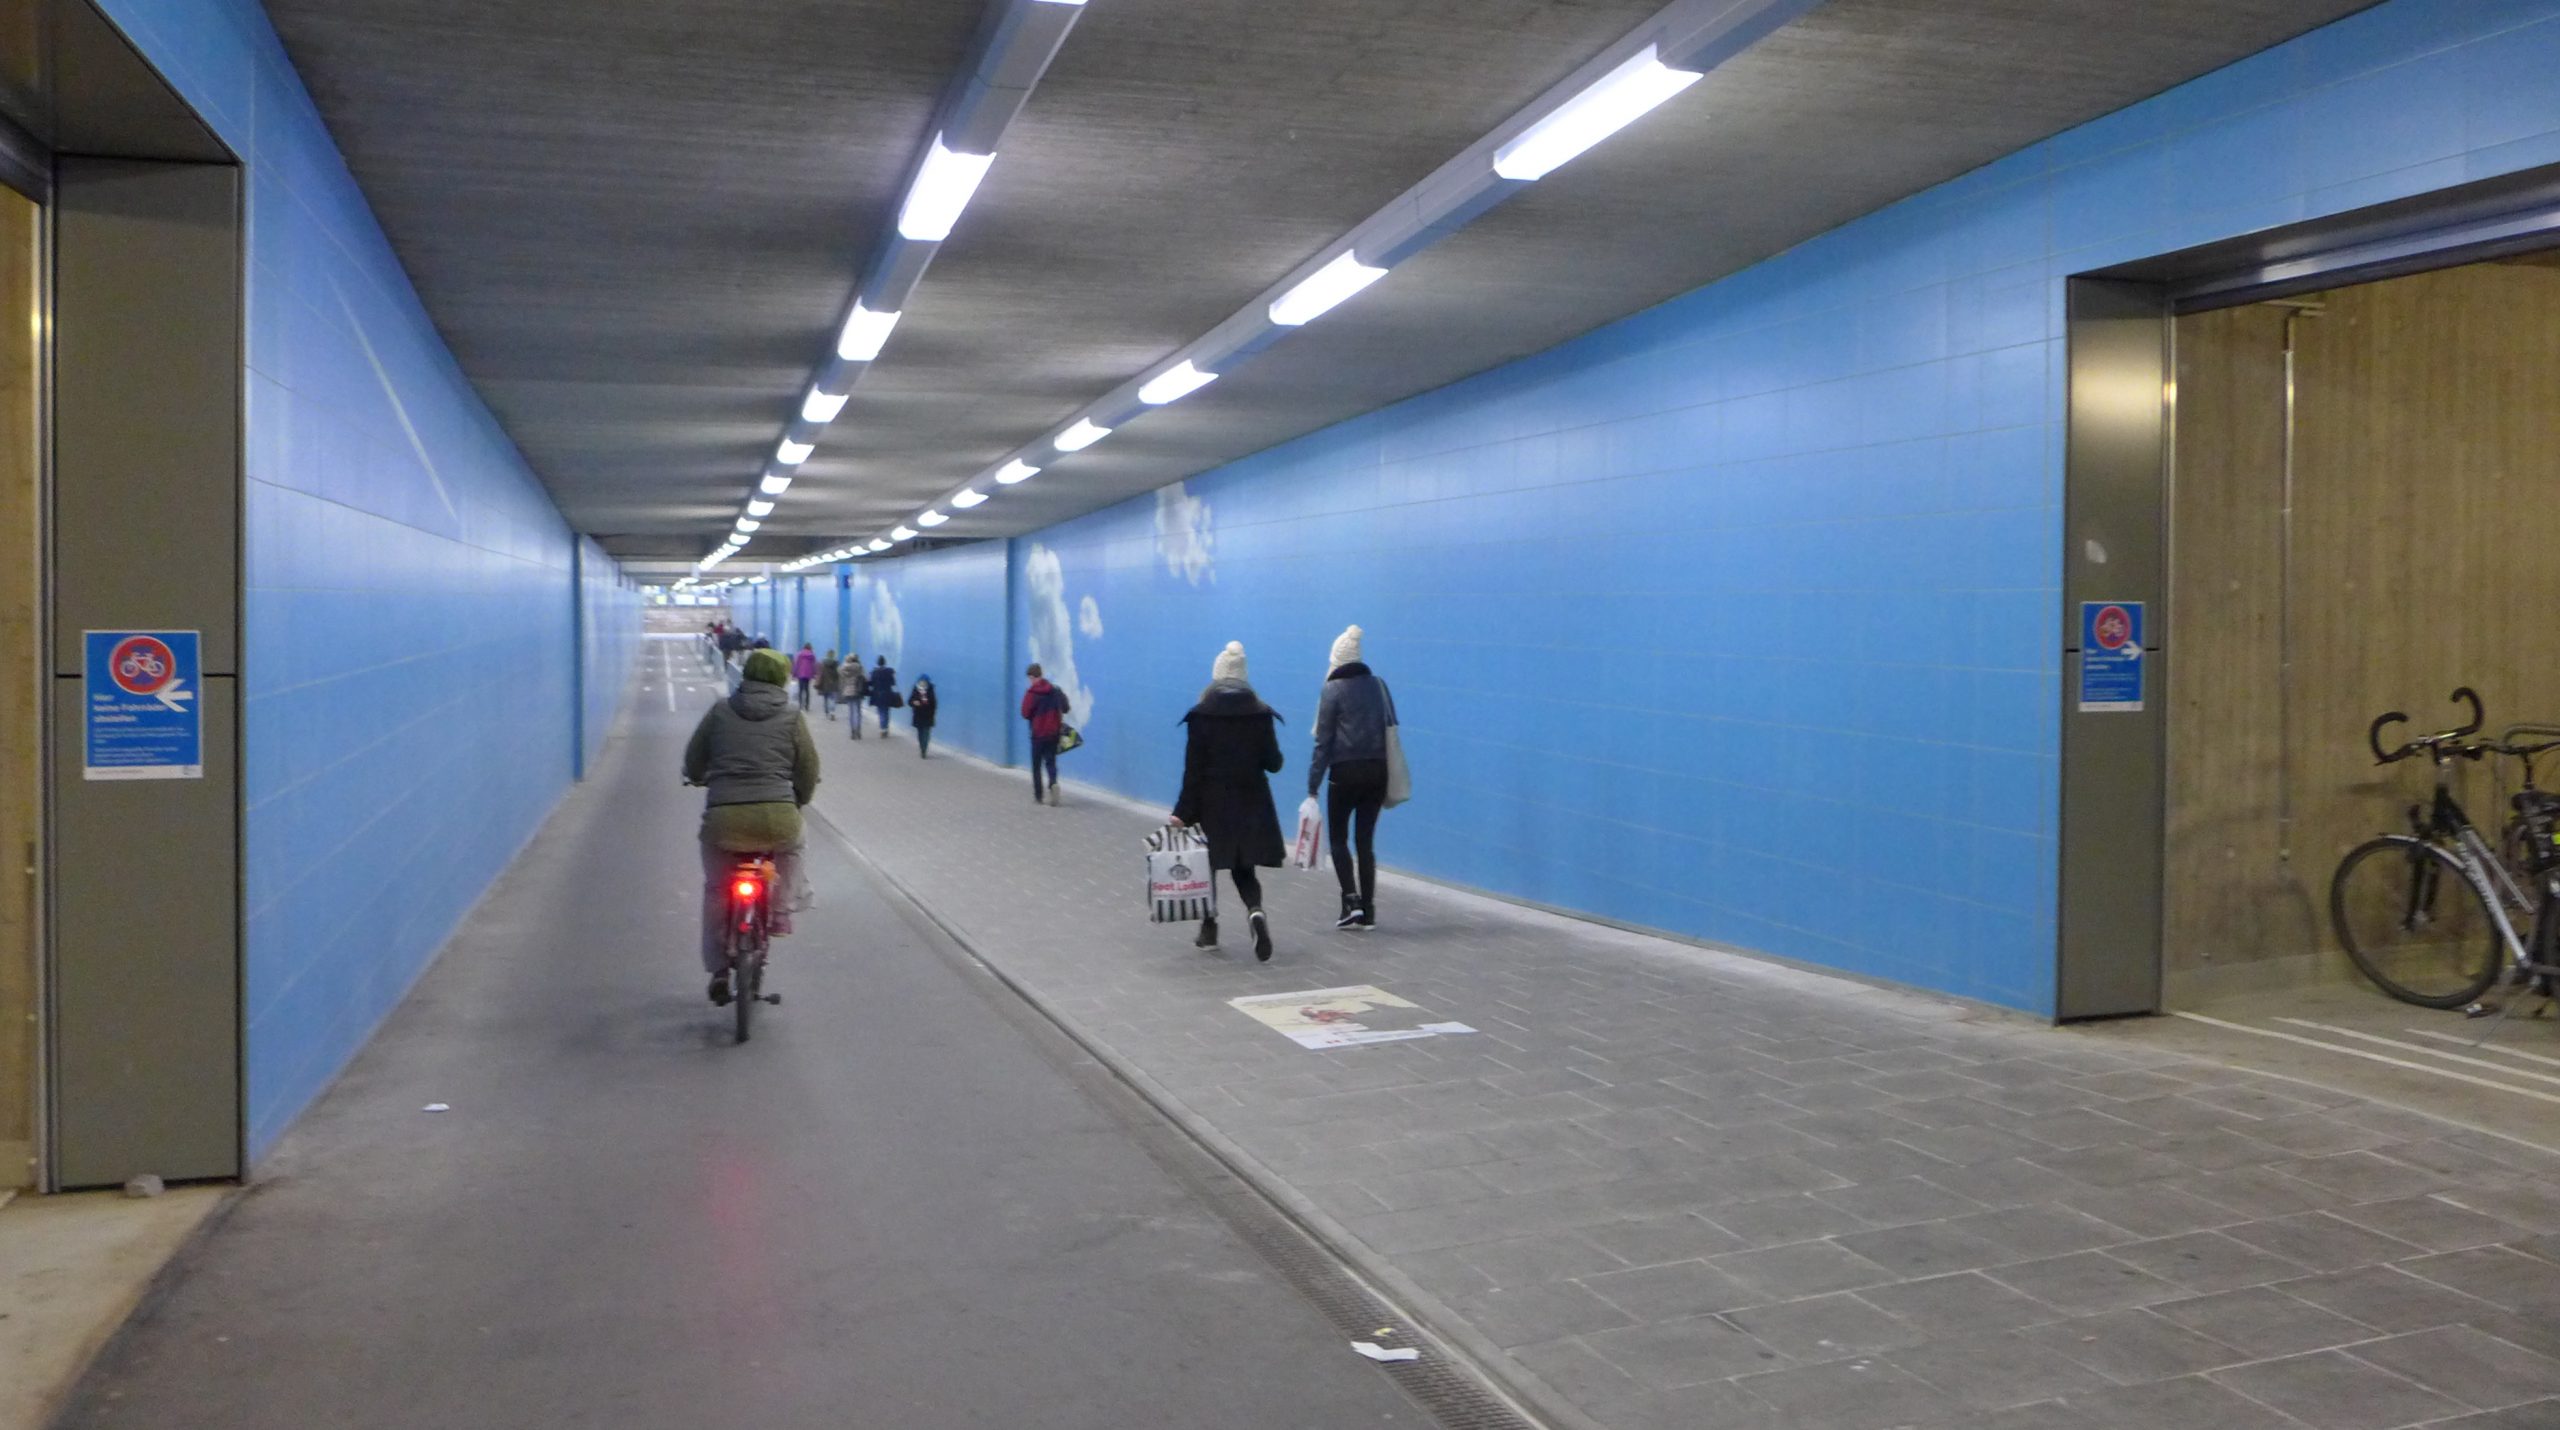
[[1054, 801]]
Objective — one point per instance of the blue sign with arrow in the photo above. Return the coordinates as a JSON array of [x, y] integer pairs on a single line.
[[139, 713]]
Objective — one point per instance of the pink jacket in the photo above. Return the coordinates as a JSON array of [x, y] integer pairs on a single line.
[[804, 666]]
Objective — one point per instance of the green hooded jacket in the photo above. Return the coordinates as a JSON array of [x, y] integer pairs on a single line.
[[754, 752]]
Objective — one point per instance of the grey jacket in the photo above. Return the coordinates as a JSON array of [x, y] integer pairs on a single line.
[[753, 748], [1351, 721]]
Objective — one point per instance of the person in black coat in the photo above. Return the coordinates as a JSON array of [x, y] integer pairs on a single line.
[[1233, 750], [922, 706]]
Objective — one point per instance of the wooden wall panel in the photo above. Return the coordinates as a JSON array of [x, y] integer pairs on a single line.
[[2427, 456]]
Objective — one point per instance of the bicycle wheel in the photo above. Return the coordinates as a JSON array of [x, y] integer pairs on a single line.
[[2416, 926], [742, 980]]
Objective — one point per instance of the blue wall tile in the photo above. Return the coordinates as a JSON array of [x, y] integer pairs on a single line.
[[411, 656]]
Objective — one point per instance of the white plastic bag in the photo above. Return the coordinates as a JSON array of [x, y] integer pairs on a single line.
[[1308, 852]]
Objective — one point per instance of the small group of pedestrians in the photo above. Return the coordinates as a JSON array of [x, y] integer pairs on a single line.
[[1232, 748]]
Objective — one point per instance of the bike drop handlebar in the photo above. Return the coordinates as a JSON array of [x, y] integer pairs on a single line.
[[2441, 741]]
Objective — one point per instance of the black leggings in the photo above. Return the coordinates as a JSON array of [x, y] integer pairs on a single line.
[[1248, 885], [1359, 792]]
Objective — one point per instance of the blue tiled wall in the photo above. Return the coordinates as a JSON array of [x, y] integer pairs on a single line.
[[609, 632], [1739, 618], [408, 668], [942, 614]]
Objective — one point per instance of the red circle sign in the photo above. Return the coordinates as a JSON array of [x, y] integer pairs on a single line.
[[140, 665], [2114, 627]]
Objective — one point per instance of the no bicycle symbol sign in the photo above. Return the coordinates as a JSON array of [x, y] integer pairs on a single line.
[[139, 715], [2111, 656]]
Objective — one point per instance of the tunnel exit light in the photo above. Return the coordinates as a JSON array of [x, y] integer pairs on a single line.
[[1614, 101]]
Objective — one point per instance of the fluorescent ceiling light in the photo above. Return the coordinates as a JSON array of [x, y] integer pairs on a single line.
[[865, 333], [1323, 289], [822, 406], [792, 454], [1016, 470], [775, 484], [878, 545], [759, 509], [1614, 101], [943, 187], [1174, 383], [1082, 435], [748, 524], [931, 519], [968, 498], [902, 533]]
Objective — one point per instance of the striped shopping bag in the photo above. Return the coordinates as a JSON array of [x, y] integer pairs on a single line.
[[1179, 886]]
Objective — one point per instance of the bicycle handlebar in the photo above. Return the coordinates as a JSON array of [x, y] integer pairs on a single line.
[[2441, 741]]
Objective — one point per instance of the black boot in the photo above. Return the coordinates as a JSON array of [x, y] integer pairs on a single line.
[[1261, 936], [1350, 912], [1208, 936], [720, 990], [1368, 913]]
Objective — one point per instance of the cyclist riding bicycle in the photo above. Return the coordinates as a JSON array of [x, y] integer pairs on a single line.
[[754, 752]]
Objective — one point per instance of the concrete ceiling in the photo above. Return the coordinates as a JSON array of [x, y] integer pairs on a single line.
[[636, 221]]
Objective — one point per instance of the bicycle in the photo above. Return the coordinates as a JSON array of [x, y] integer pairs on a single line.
[[749, 933], [2431, 916]]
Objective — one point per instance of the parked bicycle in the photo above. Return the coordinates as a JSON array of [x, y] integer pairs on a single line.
[[2435, 916]]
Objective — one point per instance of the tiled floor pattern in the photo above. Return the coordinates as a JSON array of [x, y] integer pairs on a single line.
[[1684, 1189]]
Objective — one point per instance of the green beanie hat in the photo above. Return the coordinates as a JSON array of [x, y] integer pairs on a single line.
[[769, 667]]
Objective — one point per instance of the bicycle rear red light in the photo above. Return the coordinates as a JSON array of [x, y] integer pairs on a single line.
[[747, 888]]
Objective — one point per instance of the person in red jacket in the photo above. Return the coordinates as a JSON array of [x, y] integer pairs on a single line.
[[1045, 706]]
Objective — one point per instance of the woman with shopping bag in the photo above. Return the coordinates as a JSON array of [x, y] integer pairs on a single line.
[[1356, 743], [1232, 750]]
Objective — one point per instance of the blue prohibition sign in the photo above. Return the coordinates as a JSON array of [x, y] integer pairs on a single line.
[[140, 718], [2110, 656]]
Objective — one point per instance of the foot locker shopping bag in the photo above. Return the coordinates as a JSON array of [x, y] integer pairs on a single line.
[[1179, 887]]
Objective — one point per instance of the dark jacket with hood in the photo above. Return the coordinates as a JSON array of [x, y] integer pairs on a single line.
[[754, 751], [923, 704], [1233, 750], [1351, 725], [882, 685]]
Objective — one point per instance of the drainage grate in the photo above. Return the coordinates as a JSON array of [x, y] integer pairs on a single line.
[[1457, 1392]]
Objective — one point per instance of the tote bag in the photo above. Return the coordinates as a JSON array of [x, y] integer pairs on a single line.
[[1180, 888], [1399, 775]]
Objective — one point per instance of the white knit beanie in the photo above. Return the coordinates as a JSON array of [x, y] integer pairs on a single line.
[[1230, 663], [1346, 647]]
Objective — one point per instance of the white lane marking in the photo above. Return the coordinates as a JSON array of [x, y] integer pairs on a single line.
[[2372, 1057], [2508, 1068], [671, 679], [2484, 1047]]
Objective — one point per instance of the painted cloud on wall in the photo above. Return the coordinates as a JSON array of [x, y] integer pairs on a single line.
[[1183, 535], [1053, 633], [888, 627], [1089, 619]]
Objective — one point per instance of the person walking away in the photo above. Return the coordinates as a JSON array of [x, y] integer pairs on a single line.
[[883, 685], [830, 680], [1351, 746], [852, 685], [754, 753], [804, 670], [1045, 706], [1232, 750], [922, 706]]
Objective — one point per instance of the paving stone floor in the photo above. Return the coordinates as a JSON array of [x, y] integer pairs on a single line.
[[1665, 1187]]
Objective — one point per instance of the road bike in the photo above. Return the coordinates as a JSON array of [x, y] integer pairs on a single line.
[[2435, 916]]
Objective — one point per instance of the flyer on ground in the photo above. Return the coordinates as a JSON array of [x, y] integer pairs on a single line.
[[1343, 1017]]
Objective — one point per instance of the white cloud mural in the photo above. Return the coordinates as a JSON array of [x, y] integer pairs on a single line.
[[1183, 534], [1089, 619], [1053, 628], [888, 629]]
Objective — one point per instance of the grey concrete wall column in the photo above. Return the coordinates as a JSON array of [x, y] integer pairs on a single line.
[[146, 874], [2115, 549]]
